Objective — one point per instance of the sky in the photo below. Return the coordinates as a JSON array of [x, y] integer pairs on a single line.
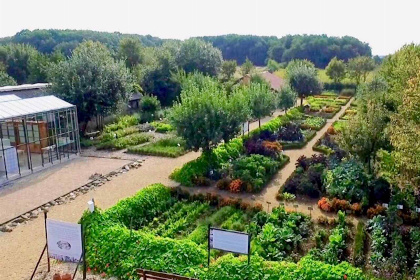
[[385, 24]]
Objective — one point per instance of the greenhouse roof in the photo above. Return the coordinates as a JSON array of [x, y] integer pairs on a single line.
[[8, 97], [30, 106]]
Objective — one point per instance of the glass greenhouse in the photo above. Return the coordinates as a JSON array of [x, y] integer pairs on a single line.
[[35, 133]]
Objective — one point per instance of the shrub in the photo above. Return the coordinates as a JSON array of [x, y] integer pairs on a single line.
[[162, 127], [166, 147], [347, 181], [290, 132], [124, 142], [324, 204], [255, 169], [331, 131], [236, 186], [223, 184], [122, 122], [193, 169], [375, 211], [340, 204], [261, 147], [356, 208], [149, 106]]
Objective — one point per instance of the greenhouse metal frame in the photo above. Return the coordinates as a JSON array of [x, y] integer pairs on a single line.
[[36, 133]]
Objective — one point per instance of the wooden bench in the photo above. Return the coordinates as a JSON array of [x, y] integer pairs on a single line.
[[153, 275]]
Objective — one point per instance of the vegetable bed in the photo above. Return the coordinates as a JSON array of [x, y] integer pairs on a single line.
[[163, 230], [166, 147]]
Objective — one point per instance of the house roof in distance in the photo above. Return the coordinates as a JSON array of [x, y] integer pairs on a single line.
[[24, 87], [275, 81], [30, 106]]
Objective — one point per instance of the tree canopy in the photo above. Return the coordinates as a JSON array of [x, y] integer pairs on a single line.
[[198, 55], [287, 98], [262, 101], [91, 80], [205, 114], [336, 70], [359, 67], [304, 81]]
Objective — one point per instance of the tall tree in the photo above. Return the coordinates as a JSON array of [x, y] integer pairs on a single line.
[[287, 98], [228, 69], [156, 73], [205, 114], [16, 58], [197, 55], [336, 70], [365, 133], [130, 50], [359, 68], [262, 101], [91, 80], [304, 81]]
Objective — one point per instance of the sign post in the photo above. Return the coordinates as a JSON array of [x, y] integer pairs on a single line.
[[64, 242], [229, 241]]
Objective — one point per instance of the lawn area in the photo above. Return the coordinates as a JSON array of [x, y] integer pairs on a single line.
[[166, 147]]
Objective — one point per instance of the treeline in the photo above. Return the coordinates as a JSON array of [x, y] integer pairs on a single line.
[[65, 41], [319, 49]]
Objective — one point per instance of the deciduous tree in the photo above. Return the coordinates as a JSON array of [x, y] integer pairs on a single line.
[[247, 67], [359, 68], [287, 98], [130, 50], [206, 115], [336, 70], [262, 101], [228, 69], [91, 80], [304, 81]]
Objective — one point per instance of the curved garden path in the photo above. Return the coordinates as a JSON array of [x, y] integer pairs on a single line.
[[20, 249]]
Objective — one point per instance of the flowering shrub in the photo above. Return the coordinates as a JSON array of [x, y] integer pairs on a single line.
[[223, 184]]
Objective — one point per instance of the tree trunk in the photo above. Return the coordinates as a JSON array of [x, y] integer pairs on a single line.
[[301, 101], [259, 122]]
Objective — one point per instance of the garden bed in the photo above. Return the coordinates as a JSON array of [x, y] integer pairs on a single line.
[[247, 162], [163, 230], [166, 147]]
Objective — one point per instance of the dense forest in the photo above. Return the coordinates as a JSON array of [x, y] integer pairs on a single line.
[[319, 49], [47, 41]]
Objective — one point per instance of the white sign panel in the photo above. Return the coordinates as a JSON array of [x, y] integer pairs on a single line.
[[245, 127], [64, 241], [230, 241]]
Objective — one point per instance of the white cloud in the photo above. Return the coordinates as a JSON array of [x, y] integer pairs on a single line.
[[385, 24]]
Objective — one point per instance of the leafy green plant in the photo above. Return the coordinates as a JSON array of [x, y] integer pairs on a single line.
[[122, 122], [162, 127], [315, 123], [166, 147], [255, 169], [359, 245], [124, 142]]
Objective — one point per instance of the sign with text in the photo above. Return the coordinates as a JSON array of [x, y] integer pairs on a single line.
[[64, 241], [229, 241]]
